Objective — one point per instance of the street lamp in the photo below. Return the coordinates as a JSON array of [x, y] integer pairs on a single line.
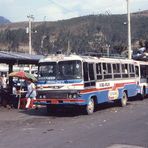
[[129, 30]]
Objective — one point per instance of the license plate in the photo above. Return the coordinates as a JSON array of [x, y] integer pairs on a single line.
[[54, 102]]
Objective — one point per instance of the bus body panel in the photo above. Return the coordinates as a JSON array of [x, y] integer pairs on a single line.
[[86, 77]]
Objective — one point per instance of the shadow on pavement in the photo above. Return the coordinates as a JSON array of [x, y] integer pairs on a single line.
[[59, 112], [68, 111]]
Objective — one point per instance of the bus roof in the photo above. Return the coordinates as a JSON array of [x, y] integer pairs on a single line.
[[61, 57]]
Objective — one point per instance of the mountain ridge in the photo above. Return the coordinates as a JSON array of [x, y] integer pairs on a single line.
[[4, 20], [85, 33]]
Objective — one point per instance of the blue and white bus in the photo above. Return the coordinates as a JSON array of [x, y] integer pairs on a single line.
[[142, 67], [74, 80]]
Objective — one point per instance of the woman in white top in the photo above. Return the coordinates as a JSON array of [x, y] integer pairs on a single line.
[[31, 92]]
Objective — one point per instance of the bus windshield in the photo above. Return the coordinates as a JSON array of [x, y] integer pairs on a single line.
[[47, 70], [62, 70]]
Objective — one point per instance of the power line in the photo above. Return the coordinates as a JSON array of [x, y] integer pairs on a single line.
[[60, 5], [106, 8]]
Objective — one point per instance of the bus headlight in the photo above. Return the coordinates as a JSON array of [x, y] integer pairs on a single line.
[[70, 96], [74, 96], [42, 96]]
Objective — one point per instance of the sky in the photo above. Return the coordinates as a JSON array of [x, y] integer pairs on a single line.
[[53, 10]]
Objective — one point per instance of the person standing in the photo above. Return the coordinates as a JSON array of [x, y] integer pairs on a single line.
[[1, 83], [31, 92], [4, 81]]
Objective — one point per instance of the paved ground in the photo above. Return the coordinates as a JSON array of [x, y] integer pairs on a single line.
[[109, 127]]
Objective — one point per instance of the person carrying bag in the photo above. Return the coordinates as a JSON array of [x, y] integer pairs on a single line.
[[31, 93]]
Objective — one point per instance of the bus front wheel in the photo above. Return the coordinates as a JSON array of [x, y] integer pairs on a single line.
[[90, 107], [123, 100]]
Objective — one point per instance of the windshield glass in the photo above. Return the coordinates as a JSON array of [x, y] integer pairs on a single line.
[[48, 70], [62, 70], [69, 70]]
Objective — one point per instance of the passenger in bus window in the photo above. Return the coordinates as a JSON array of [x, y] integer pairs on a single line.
[[104, 71], [125, 71]]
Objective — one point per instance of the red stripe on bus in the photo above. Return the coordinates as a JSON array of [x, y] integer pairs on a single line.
[[117, 85], [94, 89], [77, 84]]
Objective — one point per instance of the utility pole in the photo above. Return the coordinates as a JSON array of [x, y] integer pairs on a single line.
[[107, 49], [30, 17], [129, 30], [69, 48]]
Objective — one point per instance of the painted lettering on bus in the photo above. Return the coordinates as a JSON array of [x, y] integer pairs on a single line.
[[106, 84]]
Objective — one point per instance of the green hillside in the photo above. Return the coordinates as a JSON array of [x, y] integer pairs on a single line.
[[94, 33]]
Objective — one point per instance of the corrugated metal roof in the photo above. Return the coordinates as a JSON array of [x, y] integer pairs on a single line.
[[20, 58]]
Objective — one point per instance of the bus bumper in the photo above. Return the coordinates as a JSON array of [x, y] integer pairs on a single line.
[[60, 101]]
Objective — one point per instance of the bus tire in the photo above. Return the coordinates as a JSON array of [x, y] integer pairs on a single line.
[[123, 100], [143, 95], [90, 106], [140, 96]]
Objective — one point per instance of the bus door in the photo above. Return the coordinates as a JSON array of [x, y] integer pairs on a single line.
[[89, 74], [144, 78], [143, 73]]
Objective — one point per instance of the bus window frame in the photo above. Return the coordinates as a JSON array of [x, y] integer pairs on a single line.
[[137, 73], [117, 71], [99, 75], [105, 71], [131, 70], [90, 82], [125, 71]]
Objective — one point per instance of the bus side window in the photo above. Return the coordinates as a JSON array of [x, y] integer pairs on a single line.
[[143, 71], [89, 78], [131, 70], [116, 70], [137, 71], [99, 71], [104, 69], [124, 70], [107, 70], [91, 74], [85, 70]]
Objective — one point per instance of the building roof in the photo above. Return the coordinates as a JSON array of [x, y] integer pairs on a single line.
[[18, 58]]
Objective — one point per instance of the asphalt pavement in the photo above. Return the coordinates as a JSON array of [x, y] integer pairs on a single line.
[[109, 127]]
